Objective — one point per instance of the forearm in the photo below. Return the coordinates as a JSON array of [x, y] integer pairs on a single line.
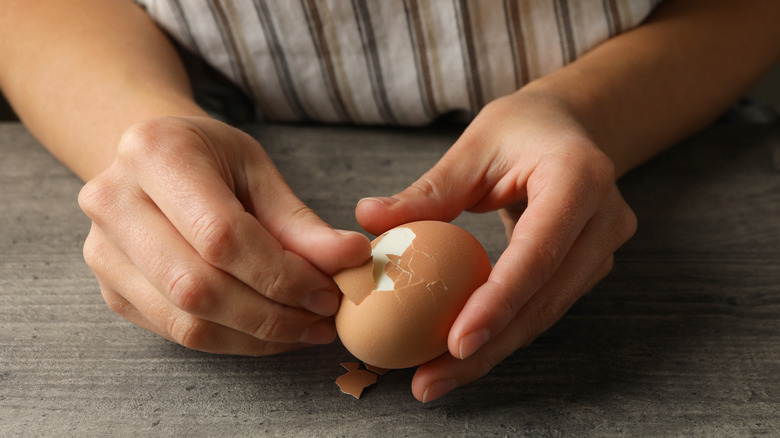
[[78, 73], [649, 88]]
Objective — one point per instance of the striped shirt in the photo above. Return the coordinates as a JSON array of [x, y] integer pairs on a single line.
[[401, 62]]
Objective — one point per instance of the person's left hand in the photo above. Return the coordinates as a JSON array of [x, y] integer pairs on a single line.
[[528, 156]]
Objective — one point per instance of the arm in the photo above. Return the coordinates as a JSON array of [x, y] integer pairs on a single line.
[[547, 157], [195, 235], [651, 87], [82, 72]]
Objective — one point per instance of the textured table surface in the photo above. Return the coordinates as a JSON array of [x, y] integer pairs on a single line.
[[683, 339]]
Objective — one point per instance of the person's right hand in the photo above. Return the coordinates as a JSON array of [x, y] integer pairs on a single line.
[[196, 237]]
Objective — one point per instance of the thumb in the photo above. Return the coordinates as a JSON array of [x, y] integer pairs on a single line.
[[454, 184], [302, 231], [299, 229]]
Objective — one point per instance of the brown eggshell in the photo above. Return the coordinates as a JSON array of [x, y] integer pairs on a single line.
[[355, 380], [432, 280], [357, 283]]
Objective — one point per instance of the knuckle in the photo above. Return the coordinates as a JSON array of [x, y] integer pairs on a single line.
[[140, 139], [269, 328], [524, 341], [114, 301], [547, 255], [425, 187], [188, 331], [303, 213], [556, 305], [627, 224], [438, 195], [145, 138], [274, 286], [187, 291], [606, 268], [159, 140], [602, 169], [550, 311], [621, 222], [214, 238], [509, 303], [589, 172], [290, 227], [97, 197], [93, 251], [486, 363]]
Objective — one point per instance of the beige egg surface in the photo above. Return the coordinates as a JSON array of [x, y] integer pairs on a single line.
[[398, 307]]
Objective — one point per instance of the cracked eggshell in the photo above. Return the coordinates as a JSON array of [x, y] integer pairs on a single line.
[[419, 278]]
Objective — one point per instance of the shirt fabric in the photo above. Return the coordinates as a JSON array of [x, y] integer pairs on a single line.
[[399, 62]]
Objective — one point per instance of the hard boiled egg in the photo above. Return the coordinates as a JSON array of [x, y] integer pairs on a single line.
[[399, 306]]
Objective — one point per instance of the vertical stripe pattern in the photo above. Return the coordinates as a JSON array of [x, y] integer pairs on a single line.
[[317, 32], [373, 66], [403, 62], [470, 61], [279, 61], [565, 31], [422, 65], [612, 14], [514, 26], [183, 24]]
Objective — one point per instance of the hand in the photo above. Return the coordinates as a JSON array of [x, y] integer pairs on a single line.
[[196, 237], [529, 157]]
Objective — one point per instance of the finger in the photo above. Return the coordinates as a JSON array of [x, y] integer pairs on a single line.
[[103, 262], [173, 268], [190, 190], [124, 308], [141, 304], [190, 331], [528, 264], [458, 181], [445, 373], [509, 215], [267, 197], [298, 228]]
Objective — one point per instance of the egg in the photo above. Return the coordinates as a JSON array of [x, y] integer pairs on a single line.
[[398, 307]]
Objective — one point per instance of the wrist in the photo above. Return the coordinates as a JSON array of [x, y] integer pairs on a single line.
[[607, 120], [92, 144], [543, 103]]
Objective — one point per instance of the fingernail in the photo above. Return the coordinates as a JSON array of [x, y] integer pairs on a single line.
[[438, 389], [322, 302], [386, 200], [348, 232], [472, 342], [321, 332]]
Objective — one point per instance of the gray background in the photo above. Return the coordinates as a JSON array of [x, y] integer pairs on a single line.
[[682, 339]]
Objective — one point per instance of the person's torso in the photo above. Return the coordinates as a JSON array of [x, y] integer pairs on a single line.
[[403, 62]]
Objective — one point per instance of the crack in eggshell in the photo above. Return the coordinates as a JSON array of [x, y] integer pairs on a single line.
[[393, 243], [406, 320], [413, 268]]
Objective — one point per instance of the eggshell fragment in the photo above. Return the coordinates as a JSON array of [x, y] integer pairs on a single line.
[[357, 283], [378, 370], [355, 380], [432, 267]]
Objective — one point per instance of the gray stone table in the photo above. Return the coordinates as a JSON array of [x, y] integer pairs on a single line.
[[683, 339]]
